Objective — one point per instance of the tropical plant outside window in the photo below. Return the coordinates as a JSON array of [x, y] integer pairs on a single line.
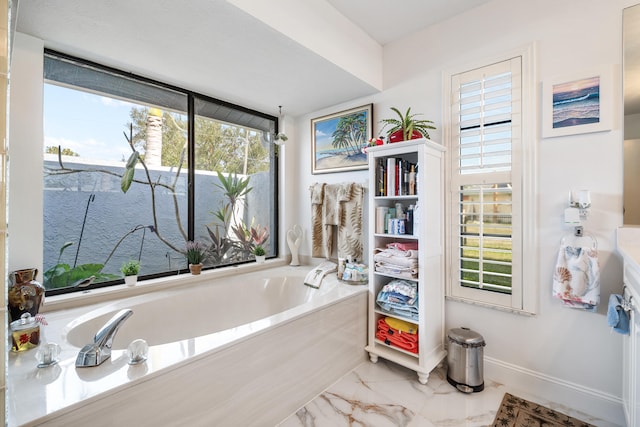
[[124, 180]]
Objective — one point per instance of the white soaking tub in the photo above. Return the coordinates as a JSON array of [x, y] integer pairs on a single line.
[[247, 349]]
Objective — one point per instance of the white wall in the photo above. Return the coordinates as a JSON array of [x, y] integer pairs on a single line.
[[25, 155], [573, 348]]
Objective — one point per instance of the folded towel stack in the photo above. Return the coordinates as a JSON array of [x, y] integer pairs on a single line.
[[399, 297], [400, 262], [402, 336]]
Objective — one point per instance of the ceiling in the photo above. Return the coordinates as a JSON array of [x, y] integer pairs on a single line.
[[217, 48]]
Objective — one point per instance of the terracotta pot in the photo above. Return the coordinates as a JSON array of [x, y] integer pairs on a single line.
[[398, 136], [195, 268]]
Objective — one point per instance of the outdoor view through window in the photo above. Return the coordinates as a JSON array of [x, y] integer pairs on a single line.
[[123, 181]]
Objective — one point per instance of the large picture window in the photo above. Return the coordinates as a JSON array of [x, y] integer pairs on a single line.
[[134, 169]]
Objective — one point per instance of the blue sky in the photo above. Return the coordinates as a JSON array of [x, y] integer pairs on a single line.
[[90, 125]]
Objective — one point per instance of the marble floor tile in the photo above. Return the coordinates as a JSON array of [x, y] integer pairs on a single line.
[[385, 394]]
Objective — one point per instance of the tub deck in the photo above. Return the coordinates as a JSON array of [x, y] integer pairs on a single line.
[[278, 363]]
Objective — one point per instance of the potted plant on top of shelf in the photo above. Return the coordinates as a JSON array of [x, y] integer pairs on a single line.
[[195, 255], [406, 126], [130, 269]]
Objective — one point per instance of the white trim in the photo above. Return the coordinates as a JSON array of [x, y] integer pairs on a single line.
[[527, 382]]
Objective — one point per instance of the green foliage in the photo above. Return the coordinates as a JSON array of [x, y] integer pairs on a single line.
[[407, 123], [129, 172], [65, 151], [195, 252], [219, 146], [234, 188], [130, 268], [62, 275], [259, 251]]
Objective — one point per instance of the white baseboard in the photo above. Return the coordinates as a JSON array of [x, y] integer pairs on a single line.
[[593, 402]]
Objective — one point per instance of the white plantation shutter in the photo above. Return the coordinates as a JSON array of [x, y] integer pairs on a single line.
[[486, 191]]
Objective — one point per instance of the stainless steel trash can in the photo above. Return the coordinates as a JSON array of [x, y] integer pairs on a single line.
[[465, 360]]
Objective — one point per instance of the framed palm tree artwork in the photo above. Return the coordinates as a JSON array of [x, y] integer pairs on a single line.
[[337, 140]]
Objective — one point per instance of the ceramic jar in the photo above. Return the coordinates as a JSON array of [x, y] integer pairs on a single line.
[[25, 294]]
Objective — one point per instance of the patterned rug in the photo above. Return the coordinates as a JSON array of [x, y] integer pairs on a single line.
[[517, 412]]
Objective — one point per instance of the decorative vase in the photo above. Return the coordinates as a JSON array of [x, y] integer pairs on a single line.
[[294, 238], [398, 136], [130, 280], [25, 294], [260, 258], [195, 268]]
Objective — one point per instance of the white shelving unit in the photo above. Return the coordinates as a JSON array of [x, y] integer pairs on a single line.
[[429, 157]]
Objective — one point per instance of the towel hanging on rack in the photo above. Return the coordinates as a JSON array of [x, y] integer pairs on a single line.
[[576, 279]]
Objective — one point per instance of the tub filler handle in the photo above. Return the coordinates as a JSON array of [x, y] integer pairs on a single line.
[[100, 350]]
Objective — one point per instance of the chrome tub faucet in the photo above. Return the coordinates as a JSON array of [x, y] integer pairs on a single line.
[[100, 350]]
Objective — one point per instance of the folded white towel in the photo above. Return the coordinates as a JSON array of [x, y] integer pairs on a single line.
[[393, 257], [576, 279]]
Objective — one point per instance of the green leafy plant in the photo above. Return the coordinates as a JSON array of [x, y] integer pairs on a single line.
[[62, 275], [130, 268], [407, 123], [195, 252], [259, 251]]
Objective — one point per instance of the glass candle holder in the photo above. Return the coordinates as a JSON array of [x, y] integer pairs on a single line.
[[47, 354], [137, 351]]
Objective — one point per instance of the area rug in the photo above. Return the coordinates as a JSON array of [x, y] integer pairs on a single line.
[[517, 412]]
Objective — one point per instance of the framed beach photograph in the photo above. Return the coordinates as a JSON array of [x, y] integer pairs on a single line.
[[581, 103], [337, 140]]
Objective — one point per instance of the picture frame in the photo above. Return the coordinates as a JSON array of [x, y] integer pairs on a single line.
[[337, 140], [578, 103]]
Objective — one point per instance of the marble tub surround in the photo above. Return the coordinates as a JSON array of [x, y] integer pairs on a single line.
[[249, 373], [387, 395]]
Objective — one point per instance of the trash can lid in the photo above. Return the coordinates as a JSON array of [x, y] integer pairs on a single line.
[[466, 337]]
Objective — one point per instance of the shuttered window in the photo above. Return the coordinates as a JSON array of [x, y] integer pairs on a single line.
[[486, 218]]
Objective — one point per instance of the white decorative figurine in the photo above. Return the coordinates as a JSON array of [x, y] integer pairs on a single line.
[[294, 238]]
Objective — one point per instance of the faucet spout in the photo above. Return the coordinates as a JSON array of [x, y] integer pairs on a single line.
[[100, 350]]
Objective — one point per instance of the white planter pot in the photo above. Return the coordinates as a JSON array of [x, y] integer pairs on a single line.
[[130, 280], [260, 258]]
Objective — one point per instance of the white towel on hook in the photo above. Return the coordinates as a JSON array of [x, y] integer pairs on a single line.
[[576, 279]]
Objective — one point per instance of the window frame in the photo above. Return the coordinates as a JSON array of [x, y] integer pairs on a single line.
[[191, 138], [524, 294]]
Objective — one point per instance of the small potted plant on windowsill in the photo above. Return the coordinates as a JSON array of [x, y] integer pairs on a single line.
[[130, 269], [260, 253], [195, 255]]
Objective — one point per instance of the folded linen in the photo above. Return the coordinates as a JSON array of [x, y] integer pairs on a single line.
[[408, 272], [399, 297], [617, 317], [576, 279], [392, 257], [391, 336], [404, 246]]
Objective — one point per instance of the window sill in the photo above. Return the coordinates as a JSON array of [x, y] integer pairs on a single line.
[[94, 296], [489, 305]]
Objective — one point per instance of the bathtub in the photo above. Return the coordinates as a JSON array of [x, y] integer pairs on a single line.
[[248, 349]]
